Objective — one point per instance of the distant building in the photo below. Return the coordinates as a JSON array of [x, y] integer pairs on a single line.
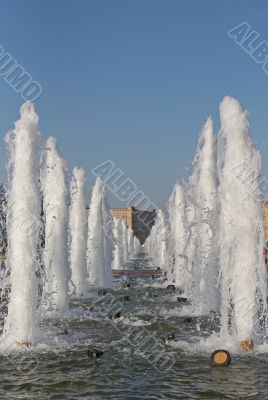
[[139, 220], [265, 216]]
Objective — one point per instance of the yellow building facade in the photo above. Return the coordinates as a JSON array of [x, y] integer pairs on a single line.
[[140, 221], [265, 217]]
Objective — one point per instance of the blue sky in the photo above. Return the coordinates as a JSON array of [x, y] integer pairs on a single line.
[[133, 81]]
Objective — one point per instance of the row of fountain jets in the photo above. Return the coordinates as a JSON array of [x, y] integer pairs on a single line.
[[209, 245], [214, 234], [64, 249]]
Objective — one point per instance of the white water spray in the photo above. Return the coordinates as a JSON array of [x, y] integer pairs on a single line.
[[130, 243], [100, 238], [241, 228], [118, 260], [178, 234], [23, 228], [157, 244], [55, 257], [203, 195], [78, 232]]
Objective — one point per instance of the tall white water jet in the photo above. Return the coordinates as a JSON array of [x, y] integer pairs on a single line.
[[118, 260], [23, 228], [78, 232], [125, 241], [4, 279], [100, 238], [137, 246], [242, 266], [178, 234], [130, 242], [157, 244], [55, 204], [203, 185]]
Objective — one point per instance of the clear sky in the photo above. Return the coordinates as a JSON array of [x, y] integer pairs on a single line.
[[133, 80]]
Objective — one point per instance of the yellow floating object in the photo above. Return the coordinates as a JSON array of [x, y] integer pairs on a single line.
[[246, 345], [23, 344], [220, 357]]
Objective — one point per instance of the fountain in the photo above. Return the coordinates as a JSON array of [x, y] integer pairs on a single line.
[[78, 232], [136, 246], [118, 261], [178, 234], [55, 256], [210, 249], [243, 274], [124, 241], [130, 243], [202, 195], [100, 238], [23, 229], [157, 244]]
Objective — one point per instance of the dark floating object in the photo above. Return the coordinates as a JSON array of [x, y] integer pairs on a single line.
[[158, 268], [171, 336], [164, 340], [183, 301], [188, 320], [102, 292], [115, 316], [171, 287], [168, 338], [94, 353], [125, 284], [63, 332], [88, 307], [124, 298], [220, 358]]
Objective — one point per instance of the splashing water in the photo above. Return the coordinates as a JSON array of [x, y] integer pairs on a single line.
[[202, 193], [100, 238], [242, 266], [23, 228], [178, 233], [78, 232], [118, 260], [55, 257]]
